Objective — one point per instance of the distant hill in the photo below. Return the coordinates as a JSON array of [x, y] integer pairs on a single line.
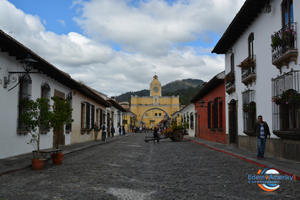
[[185, 88]]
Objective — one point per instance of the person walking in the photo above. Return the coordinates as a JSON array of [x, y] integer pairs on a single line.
[[155, 135], [112, 130], [104, 129], [261, 129], [96, 131], [120, 130], [123, 129]]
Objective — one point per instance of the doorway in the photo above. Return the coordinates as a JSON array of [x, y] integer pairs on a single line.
[[232, 115]]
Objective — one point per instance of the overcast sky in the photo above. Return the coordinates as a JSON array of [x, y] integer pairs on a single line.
[[116, 46]]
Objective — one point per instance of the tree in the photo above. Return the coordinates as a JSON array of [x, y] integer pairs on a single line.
[[62, 114], [36, 114]]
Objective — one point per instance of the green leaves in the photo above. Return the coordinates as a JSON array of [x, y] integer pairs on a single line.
[[38, 114]]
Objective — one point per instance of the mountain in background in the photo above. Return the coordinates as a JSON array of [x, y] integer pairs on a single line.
[[185, 88]]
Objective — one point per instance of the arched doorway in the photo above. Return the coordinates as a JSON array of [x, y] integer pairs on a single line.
[[153, 118], [232, 115]]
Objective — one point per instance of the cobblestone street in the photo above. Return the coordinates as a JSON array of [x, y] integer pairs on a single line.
[[133, 169]]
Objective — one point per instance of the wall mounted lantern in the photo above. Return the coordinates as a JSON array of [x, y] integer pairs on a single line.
[[201, 102], [28, 64], [267, 8]]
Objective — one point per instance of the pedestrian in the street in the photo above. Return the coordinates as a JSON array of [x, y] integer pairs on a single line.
[[141, 129], [104, 129], [155, 135], [261, 129], [112, 130], [120, 130], [123, 129], [96, 131]]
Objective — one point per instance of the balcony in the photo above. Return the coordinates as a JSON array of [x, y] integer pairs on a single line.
[[284, 46], [230, 82], [248, 67]]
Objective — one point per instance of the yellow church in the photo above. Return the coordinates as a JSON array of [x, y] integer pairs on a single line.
[[151, 110]]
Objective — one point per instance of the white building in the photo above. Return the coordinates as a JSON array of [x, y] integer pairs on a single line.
[[267, 68], [46, 81], [187, 115]]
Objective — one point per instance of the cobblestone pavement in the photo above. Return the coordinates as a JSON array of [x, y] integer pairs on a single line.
[[133, 169]]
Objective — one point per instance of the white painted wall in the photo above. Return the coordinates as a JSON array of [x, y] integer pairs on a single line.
[[12, 143], [262, 27], [190, 108]]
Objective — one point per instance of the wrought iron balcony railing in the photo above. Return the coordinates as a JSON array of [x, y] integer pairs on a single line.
[[284, 45], [249, 68], [230, 82]]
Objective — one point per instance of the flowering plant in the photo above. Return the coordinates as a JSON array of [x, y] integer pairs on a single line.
[[249, 107], [287, 97], [229, 77], [248, 62]]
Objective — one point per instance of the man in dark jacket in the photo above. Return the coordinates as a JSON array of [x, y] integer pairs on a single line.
[[261, 129]]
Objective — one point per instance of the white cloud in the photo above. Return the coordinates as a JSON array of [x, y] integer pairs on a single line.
[[148, 36], [62, 22], [44, 22]]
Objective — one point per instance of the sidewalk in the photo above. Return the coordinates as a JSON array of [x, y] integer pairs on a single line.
[[23, 161], [283, 166]]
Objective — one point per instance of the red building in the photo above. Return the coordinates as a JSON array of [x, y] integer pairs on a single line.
[[210, 110]]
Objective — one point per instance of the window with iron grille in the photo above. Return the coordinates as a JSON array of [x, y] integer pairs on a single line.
[[92, 116], [215, 110], [249, 110], [24, 93], [45, 93], [192, 120], [87, 115], [286, 99], [220, 114]]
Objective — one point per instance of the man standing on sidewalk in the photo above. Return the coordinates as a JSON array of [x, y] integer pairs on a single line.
[[261, 129], [104, 128]]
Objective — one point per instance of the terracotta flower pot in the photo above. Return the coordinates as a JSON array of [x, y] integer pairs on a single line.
[[37, 164], [57, 158]]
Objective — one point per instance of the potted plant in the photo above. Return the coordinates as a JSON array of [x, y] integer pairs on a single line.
[[61, 115], [247, 63], [35, 115], [275, 40]]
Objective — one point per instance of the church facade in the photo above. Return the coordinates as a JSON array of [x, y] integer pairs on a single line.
[[151, 110]]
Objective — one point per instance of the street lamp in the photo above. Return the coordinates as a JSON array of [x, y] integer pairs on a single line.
[[28, 64]]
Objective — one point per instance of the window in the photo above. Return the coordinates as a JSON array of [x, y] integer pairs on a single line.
[[159, 114], [45, 90], [215, 114], [287, 12], [24, 93], [250, 45], [289, 113], [87, 115], [249, 110], [220, 114], [45, 93], [155, 114], [192, 120], [209, 114], [286, 100]]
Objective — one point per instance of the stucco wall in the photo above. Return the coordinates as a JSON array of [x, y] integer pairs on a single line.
[[76, 136], [12, 143], [216, 135], [262, 27]]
